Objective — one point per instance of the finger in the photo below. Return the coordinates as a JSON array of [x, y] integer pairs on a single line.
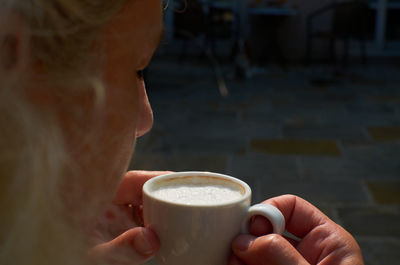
[[301, 217], [130, 189], [260, 226], [137, 214], [133, 247], [271, 249], [321, 238]]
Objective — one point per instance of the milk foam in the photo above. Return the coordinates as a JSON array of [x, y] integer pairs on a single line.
[[197, 194]]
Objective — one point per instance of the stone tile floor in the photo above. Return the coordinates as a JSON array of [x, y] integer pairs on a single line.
[[330, 137]]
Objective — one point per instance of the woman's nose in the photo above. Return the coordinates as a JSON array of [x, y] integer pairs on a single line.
[[145, 119]]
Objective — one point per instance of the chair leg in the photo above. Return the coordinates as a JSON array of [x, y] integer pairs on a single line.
[[332, 50], [276, 47], [308, 50], [182, 56], [363, 53], [345, 52]]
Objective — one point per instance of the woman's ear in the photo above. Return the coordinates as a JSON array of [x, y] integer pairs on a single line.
[[14, 43]]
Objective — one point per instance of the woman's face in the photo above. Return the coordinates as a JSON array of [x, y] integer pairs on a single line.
[[130, 40], [102, 145]]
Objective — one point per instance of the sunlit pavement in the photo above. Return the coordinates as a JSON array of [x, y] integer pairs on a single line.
[[331, 137]]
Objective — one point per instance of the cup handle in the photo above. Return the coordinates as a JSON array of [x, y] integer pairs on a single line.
[[268, 211]]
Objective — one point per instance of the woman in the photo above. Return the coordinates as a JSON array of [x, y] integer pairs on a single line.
[[72, 104]]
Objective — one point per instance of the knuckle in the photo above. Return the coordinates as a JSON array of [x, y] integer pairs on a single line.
[[269, 243]]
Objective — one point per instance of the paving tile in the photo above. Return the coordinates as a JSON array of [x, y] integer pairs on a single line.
[[318, 192], [260, 129], [282, 100], [323, 83], [205, 145], [327, 209], [384, 133], [385, 98], [371, 221], [179, 162], [262, 117], [362, 160], [165, 142], [385, 192], [259, 105], [189, 127], [380, 160], [169, 115], [368, 107], [210, 130], [180, 106], [377, 251], [209, 115], [343, 118], [329, 168], [254, 166], [324, 132], [296, 147], [234, 105], [340, 97], [306, 107], [386, 150], [361, 80], [150, 142], [372, 162], [270, 175], [302, 120]]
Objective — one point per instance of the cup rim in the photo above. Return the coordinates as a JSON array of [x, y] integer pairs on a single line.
[[149, 184]]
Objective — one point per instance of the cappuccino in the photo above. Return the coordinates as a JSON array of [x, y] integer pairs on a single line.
[[197, 194]]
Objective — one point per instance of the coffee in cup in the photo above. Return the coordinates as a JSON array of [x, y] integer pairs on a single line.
[[198, 191]]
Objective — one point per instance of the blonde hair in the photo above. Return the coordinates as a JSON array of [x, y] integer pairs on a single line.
[[36, 225]]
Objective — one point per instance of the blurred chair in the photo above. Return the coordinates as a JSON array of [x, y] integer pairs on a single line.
[[190, 23], [264, 38], [205, 21], [350, 21], [220, 21]]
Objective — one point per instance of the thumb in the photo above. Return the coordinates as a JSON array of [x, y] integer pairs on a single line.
[[133, 247], [270, 249]]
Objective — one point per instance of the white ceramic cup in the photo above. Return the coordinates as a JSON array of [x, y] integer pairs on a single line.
[[201, 234]]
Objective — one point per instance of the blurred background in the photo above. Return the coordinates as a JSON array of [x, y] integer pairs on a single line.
[[296, 96]]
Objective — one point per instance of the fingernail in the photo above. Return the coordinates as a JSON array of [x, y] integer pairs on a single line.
[[243, 242], [142, 244]]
